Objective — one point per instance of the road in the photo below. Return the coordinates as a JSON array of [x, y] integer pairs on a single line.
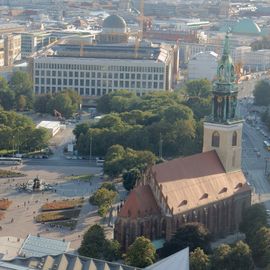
[[254, 155]]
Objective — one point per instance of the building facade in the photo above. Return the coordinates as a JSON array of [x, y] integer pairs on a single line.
[[203, 66], [103, 69], [208, 187]]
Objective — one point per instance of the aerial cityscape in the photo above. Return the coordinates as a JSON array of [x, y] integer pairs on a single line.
[[134, 134]]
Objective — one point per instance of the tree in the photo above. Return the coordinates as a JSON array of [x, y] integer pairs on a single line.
[[6, 95], [130, 178], [240, 257], [80, 129], [42, 103], [21, 102], [200, 88], [95, 245], [220, 257], [260, 245], [21, 84], [108, 186], [103, 198], [190, 235], [253, 219], [262, 93], [199, 260], [141, 253], [230, 258]]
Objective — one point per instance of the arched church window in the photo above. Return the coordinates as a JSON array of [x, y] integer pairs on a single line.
[[215, 139], [234, 138]]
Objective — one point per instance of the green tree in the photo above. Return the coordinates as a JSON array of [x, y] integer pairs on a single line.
[[260, 245], [230, 258], [240, 257], [6, 95], [21, 84], [141, 253], [95, 245], [80, 129], [103, 198], [220, 258], [21, 102], [199, 88], [199, 260], [262, 93], [42, 103], [253, 219], [130, 178], [109, 186], [192, 235]]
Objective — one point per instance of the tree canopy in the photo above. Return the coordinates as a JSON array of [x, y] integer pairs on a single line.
[[143, 124], [192, 235], [141, 253], [95, 245], [262, 93], [199, 260], [118, 159], [103, 198], [19, 132], [66, 102], [253, 219], [22, 87]]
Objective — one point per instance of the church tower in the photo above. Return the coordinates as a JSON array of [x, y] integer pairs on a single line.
[[223, 129]]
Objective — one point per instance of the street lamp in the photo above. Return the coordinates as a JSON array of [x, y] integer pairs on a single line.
[[90, 148]]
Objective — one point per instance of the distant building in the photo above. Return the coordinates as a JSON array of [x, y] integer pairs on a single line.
[[32, 42], [94, 71], [203, 65], [114, 31], [10, 49]]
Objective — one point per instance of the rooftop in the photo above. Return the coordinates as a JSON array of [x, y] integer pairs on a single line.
[[187, 188], [41, 246]]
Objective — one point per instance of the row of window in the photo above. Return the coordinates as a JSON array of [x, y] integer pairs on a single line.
[[76, 74], [81, 91], [216, 139], [103, 83], [99, 67]]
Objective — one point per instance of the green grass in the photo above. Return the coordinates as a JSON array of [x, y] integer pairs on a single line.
[[84, 177]]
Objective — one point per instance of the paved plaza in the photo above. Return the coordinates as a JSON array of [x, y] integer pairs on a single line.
[[27, 205]]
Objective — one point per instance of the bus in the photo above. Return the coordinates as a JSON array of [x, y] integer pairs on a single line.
[[10, 161], [266, 145], [100, 162]]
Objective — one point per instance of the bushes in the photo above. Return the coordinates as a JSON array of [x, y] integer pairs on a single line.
[[56, 216]]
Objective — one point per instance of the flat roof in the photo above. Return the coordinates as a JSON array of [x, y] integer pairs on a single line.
[[49, 124], [38, 246]]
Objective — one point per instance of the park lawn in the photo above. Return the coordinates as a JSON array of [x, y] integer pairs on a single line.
[[4, 204], [62, 205], [83, 177], [57, 216], [6, 174]]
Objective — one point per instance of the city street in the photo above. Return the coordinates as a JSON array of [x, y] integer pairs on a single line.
[[254, 156]]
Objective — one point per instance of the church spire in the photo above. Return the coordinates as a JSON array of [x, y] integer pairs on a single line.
[[225, 89]]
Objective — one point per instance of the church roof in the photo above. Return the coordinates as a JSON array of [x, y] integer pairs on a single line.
[[139, 203], [197, 180]]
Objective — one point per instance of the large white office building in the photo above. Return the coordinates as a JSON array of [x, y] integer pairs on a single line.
[[102, 69]]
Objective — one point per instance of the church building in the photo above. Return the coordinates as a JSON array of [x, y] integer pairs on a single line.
[[208, 187]]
